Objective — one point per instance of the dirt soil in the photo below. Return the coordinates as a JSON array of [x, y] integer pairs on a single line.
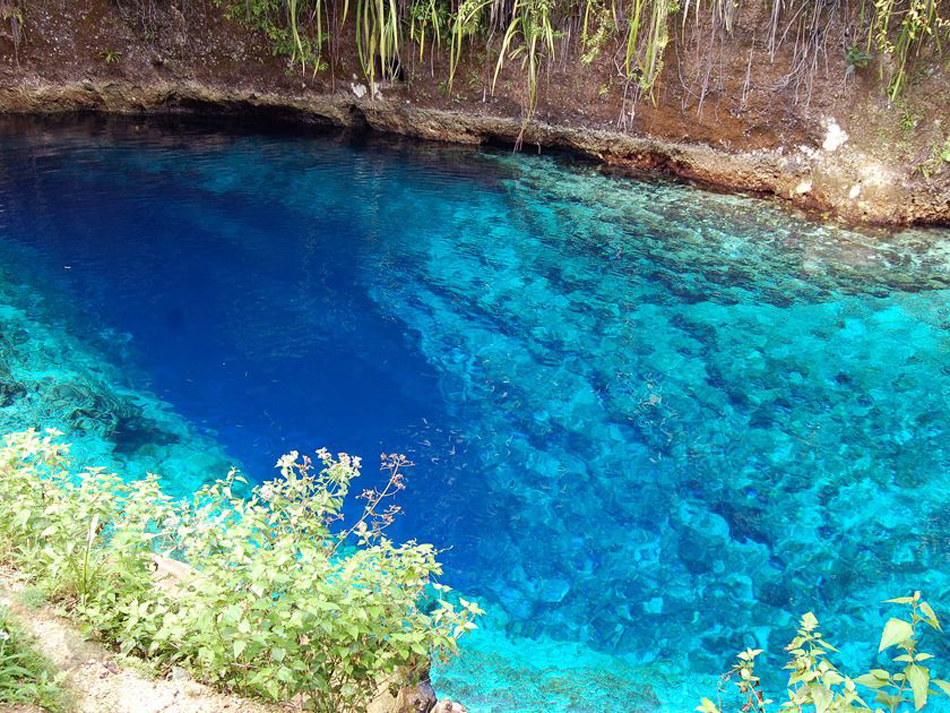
[[100, 682], [827, 141]]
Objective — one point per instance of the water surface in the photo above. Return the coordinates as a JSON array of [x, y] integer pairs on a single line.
[[651, 424]]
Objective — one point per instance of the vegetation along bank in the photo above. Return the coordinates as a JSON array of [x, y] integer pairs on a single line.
[[836, 106]]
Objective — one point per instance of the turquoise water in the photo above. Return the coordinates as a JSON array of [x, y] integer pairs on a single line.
[[651, 424]]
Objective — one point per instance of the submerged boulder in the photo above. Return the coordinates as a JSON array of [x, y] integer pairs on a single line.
[[90, 405], [10, 389]]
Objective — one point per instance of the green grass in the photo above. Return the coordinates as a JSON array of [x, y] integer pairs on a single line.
[[26, 677]]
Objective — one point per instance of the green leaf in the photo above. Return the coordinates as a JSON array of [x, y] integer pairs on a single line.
[[821, 697], [887, 699], [919, 679], [942, 685], [896, 631], [239, 646], [871, 681], [22, 517], [931, 615]]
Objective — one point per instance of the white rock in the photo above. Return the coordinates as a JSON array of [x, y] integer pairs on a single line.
[[855, 191], [874, 174], [358, 89], [835, 136], [803, 187]]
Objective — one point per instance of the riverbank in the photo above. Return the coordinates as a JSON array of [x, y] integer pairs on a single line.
[[846, 152], [97, 680]]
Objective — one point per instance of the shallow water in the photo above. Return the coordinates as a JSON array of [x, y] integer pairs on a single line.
[[652, 424]]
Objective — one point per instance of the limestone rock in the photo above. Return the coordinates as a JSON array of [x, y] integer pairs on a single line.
[[835, 136], [172, 575], [418, 697], [447, 706]]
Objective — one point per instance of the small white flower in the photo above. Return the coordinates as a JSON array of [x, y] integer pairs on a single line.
[[4, 636], [287, 461]]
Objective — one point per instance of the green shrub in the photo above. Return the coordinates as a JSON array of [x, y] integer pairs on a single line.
[[281, 599], [815, 684], [636, 33], [915, 23], [25, 676]]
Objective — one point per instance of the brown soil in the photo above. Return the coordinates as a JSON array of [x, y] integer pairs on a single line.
[[749, 129]]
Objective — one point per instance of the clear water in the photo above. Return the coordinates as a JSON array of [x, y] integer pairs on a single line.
[[651, 424]]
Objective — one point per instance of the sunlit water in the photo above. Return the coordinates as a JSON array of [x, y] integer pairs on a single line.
[[651, 424]]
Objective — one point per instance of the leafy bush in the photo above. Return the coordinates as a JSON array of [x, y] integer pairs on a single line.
[[815, 684], [25, 676], [281, 598], [636, 34], [917, 22], [281, 22]]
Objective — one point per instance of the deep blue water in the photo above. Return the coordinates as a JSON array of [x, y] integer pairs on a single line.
[[651, 424]]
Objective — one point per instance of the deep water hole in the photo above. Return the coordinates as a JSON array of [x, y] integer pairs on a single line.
[[651, 424]]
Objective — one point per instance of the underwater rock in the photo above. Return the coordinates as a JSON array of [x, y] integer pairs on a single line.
[[58, 371], [642, 700], [653, 606], [94, 407], [553, 591], [10, 392], [10, 388]]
